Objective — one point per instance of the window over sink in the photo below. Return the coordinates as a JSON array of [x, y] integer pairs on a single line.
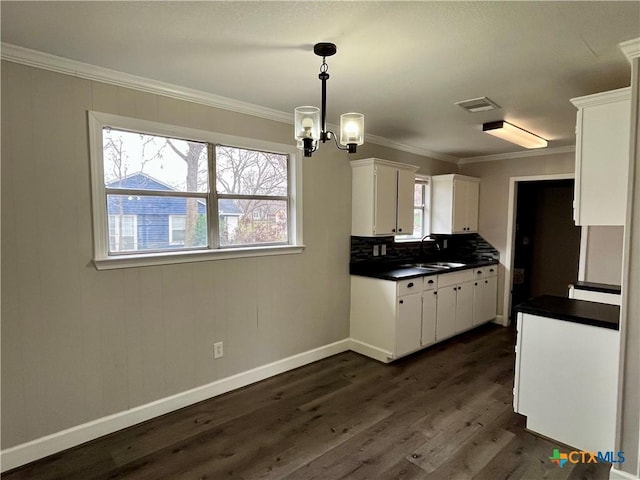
[[421, 210]]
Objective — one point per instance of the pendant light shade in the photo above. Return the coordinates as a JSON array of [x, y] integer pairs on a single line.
[[351, 130]]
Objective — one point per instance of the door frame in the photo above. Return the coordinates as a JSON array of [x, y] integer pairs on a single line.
[[511, 238]]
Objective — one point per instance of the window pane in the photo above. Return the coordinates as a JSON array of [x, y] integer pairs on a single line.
[[148, 162], [250, 172], [417, 222], [146, 225], [250, 222], [418, 197]]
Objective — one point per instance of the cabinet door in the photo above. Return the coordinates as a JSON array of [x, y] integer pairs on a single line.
[[386, 181], [408, 323], [460, 193], [479, 302], [490, 298], [473, 198], [446, 312], [406, 182], [602, 163], [429, 304], [464, 306]]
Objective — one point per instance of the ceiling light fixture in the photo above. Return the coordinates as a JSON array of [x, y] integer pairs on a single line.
[[513, 134], [310, 123]]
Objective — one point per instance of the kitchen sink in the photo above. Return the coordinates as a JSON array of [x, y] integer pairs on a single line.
[[435, 265]]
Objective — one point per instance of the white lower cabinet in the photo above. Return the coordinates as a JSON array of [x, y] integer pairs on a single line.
[[455, 303], [408, 323], [485, 293], [429, 305], [391, 319]]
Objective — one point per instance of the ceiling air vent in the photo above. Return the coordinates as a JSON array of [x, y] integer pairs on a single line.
[[481, 104]]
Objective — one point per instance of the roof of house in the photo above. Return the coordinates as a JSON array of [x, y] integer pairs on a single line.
[[143, 181]]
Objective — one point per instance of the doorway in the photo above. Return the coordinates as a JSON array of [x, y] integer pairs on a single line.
[[544, 244]]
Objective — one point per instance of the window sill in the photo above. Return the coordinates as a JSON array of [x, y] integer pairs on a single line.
[[155, 259]]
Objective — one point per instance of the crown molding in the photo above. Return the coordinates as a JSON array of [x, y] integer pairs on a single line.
[[54, 63], [513, 155], [385, 142], [631, 48], [602, 98]]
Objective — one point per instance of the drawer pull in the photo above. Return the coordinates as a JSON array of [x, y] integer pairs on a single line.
[[430, 282], [479, 272], [401, 301], [410, 285]]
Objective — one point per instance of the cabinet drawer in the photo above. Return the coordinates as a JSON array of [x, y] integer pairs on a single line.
[[485, 272], [430, 282], [490, 271], [412, 285], [454, 278]]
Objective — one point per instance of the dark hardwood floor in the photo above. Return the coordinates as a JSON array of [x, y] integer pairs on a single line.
[[444, 413]]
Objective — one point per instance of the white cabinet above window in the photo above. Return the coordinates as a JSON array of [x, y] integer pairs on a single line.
[[602, 157], [454, 204], [382, 198]]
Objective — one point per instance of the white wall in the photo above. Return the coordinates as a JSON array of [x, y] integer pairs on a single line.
[[80, 344]]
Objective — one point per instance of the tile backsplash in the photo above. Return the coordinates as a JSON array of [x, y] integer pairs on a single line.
[[452, 247]]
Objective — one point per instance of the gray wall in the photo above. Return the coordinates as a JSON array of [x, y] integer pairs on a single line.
[[603, 263], [494, 196], [79, 344]]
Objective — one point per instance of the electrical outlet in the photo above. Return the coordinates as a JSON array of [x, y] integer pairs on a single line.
[[218, 350], [376, 250], [383, 249]]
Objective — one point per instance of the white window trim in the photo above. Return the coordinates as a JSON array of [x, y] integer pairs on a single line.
[[102, 259]]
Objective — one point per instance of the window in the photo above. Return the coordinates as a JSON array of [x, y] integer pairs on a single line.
[[421, 204], [421, 212], [177, 229], [123, 233], [165, 194]]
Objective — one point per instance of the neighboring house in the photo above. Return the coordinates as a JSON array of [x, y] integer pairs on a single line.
[[145, 222]]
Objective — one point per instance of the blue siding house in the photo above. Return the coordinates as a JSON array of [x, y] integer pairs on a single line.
[[141, 222]]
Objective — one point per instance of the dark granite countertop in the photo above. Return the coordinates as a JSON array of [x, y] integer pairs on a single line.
[[598, 287], [571, 310], [395, 271]]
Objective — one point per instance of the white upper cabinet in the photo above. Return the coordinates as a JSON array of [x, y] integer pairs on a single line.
[[382, 198], [454, 204], [602, 157]]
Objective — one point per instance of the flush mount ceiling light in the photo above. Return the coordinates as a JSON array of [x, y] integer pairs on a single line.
[[513, 134], [310, 125]]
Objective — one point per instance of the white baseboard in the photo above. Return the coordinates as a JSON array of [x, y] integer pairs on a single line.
[[370, 351], [28, 452], [620, 475]]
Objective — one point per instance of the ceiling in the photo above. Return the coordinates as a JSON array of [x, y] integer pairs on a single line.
[[402, 64]]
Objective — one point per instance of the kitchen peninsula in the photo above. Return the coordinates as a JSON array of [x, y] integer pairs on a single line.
[[566, 379]]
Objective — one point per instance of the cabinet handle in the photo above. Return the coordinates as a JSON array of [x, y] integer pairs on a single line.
[[455, 288], [486, 281], [430, 281], [491, 269], [435, 293], [479, 272], [459, 288], [393, 229], [476, 284], [401, 301], [410, 285], [399, 229]]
